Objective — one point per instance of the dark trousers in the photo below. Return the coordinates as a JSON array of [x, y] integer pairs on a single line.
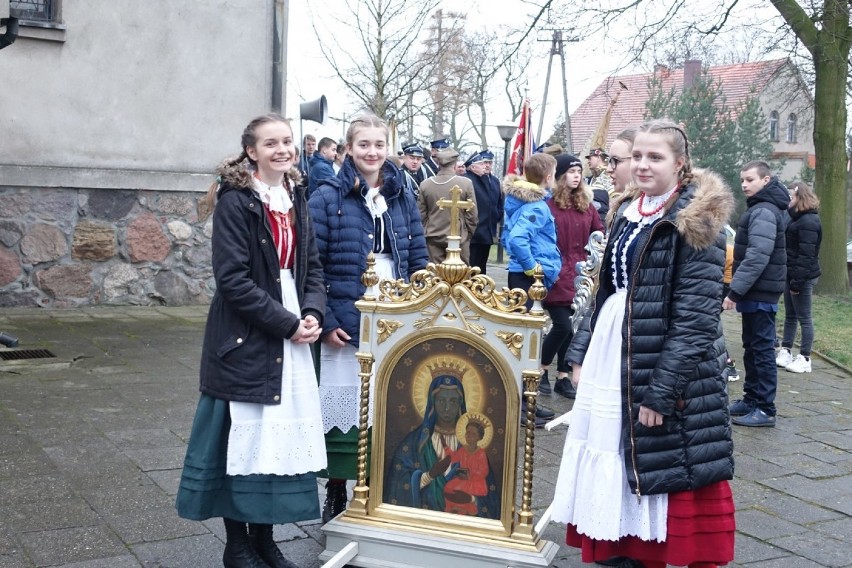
[[479, 255], [556, 342], [522, 281], [797, 310], [761, 374]]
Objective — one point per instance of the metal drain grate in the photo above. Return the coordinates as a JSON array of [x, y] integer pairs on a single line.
[[21, 354]]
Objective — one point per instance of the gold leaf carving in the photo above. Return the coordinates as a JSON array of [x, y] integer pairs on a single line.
[[386, 328], [514, 341]]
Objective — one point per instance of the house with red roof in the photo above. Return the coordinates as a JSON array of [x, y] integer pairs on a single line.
[[785, 100]]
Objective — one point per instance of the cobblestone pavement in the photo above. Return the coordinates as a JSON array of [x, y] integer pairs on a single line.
[[92, 442]]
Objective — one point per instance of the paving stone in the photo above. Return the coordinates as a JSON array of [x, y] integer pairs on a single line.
[[48, 548], [168, 480], [788, 507], [127, 500], [188, 552], [764, 526], [148, 438], [50, 513], [153, 525], [117, 562], [158, 459], [817, 548], [749, 551], [36, 488]]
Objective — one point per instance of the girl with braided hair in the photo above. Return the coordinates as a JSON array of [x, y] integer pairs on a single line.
[[257, 437], [646, 464]]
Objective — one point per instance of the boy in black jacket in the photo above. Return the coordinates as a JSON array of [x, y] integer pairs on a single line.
[[760, 271]]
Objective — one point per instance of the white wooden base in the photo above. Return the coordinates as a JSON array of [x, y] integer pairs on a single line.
[[380, 546]]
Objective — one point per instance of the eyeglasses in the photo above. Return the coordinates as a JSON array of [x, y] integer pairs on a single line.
[[613, 161]]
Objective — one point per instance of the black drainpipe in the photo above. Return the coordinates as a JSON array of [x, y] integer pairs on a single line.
[[11, 34], [279, 54]]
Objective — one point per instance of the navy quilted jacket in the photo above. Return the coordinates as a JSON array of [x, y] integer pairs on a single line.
[[344, 232]]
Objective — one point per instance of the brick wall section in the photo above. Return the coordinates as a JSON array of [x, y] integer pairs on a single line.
[[70, 247]]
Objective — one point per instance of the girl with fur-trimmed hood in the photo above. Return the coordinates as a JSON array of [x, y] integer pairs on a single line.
[[529, 232], [648, 457]]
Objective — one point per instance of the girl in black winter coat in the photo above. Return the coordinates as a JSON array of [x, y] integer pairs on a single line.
[[257, 438], [804, 236], [645, 468]]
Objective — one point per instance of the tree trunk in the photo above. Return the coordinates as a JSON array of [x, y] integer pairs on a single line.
[[830, 185]]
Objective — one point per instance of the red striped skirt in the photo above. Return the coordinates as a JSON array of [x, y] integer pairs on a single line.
[[700, 529]]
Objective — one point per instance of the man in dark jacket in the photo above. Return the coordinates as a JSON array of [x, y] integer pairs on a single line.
[[322, 163], [413, 166], [760, 271], [489, 205]]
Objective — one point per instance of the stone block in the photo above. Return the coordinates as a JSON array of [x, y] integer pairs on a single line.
[[110, 204], [146, 240], [15, 205], [93, 241], [179, 230], [73, 281], [43, 243], [10, 266], [10, 232], [172, 204], [119, 280]]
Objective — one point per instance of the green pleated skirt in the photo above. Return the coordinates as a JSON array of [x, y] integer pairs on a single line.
[[342, 452], [206, 491]]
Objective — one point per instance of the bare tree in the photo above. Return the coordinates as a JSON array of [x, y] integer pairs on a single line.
[[379, 57], [822, 27]]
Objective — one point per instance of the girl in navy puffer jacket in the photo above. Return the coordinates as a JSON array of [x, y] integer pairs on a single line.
[[367, 208]]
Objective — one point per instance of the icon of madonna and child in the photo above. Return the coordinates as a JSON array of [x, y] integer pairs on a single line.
[[452, 461]]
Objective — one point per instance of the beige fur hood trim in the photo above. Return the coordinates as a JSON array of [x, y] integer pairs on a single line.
[[521, 189], [699, 214]]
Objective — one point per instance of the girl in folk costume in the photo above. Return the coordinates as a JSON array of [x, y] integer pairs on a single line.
[[576, 218], [367, 208], [648, 457], [257, 440]]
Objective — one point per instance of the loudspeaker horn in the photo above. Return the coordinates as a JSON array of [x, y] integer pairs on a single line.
[[315, 110]]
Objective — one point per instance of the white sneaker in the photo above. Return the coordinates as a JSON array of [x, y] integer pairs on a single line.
[[800, 364], [784, 357]]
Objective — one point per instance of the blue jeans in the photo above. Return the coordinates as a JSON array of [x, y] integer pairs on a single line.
[[797, 310], [761, 374], [557, 340]]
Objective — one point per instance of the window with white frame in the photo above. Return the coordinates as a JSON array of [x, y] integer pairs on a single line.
[[773, 126], [791, 128]]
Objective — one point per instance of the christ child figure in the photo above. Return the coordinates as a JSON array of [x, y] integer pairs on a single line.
[[469, 465]]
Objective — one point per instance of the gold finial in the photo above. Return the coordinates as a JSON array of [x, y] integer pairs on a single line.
[[537, 291], [370, 278]]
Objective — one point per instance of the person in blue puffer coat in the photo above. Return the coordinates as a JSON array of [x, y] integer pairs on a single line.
[[366, 208], [529, 231]]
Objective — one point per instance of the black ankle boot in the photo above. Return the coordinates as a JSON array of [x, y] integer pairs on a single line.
[[238, 550], [262, 542], [335, 499]]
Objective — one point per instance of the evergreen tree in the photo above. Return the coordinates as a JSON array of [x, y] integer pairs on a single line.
[[659, 103], [717, 140]]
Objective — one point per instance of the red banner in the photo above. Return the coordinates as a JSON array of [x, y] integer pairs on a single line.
[[522, 147]]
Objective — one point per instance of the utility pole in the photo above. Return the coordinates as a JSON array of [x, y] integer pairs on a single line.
[[557, 47]]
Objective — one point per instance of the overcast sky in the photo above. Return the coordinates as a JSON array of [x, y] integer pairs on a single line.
[[587, 64]]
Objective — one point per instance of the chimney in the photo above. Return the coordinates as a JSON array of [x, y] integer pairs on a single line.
[[691, 70], [661, 71]]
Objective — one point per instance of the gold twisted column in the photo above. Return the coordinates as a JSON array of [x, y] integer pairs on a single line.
[[525, 517], [361, 496]]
